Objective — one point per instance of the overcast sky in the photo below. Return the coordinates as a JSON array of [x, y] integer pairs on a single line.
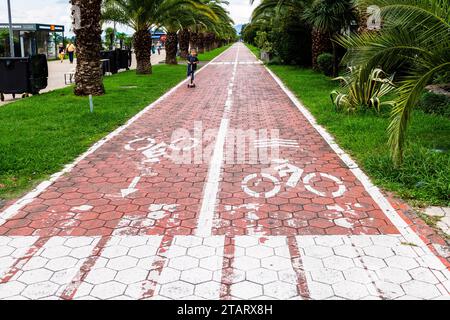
[[58, 11]]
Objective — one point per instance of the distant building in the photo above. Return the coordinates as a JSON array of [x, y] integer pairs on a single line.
[[158, 35], [31, 39]]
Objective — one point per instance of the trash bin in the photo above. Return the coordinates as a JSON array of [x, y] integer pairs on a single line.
[[23, 75], [118, 59], [112, 57], [124, 57]]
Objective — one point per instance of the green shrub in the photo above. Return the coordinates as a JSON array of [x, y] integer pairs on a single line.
[[275, 61], [325, 62], [363, 91], [433, 103]]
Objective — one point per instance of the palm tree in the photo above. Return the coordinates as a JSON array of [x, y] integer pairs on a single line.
[[110, 37], [331, 17], [183, 39], [268, 11], [184, 17], [89, 75], [414, 37], [141, 15]]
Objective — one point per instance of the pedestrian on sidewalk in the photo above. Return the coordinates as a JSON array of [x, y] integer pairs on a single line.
[[159, 46], [71, 51], [61, 52], [192, 61], [153, 49]]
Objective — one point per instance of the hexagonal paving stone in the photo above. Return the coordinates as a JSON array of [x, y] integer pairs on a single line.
[[183, 263], [201, 251], [327, 276], [276, 263], [338, 263], [393, 275], [177, 290], [350, 290], [280, 290], [359, 275], [246, 290], [346, 251], [320, 291], [40, 290], [108, 290], [246, 263], [424, 275], [122, 263], [378, 251], [100, 275], [318, 252], [389, 290], [196, 275], [34, 276], [259, 252], [132, 275], [208, 290], [11, 289], [420, 289], [262, 276], [400, 262], [114, 251], [61, 263]]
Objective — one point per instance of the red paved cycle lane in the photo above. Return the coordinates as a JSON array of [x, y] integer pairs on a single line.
[[304, 189]]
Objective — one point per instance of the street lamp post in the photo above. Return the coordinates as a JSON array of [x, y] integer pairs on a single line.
[[11, 34]]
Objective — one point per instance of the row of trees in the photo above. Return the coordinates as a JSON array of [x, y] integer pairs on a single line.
[[408, 50], [201, 24]]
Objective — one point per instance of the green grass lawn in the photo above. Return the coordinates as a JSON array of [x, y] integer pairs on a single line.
[[208, 56], [41, 134], [424, 178], [256, 51]]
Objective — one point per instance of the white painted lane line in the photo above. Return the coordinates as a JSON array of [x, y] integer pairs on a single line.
[[193, 269], [12, 210], [262, 269], [211, 189], [121, 270]]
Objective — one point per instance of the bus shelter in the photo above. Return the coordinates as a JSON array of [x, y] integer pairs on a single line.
[[31, 39]]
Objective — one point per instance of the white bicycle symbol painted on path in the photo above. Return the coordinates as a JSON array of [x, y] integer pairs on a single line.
[[283, 169]]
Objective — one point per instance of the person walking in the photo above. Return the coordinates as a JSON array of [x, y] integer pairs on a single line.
[[61, 52], [70, 49], [158, 46]]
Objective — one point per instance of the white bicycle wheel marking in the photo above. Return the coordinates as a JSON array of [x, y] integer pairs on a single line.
[[336, 194], [269, 194], [284, 169]]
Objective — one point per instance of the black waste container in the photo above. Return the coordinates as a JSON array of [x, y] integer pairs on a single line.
[[124, 57], [23, 75], [113, 61]]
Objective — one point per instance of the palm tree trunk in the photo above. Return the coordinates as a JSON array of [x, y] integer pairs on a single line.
[[89, 74], [184, 43], [320, 43], [171, 48], [142, 42], [194, 41], [201, 43]]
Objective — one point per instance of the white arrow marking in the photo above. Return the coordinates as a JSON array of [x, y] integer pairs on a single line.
[[131, 189]]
